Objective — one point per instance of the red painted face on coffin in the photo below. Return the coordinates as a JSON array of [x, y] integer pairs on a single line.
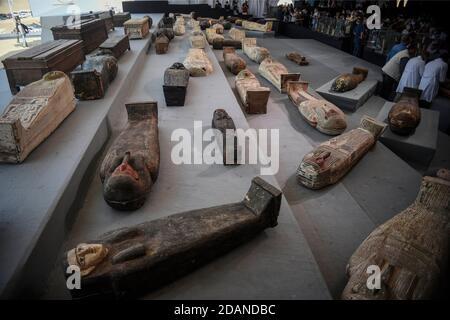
[[125, 169]]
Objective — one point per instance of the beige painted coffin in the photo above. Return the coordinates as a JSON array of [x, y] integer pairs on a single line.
[[255, 53], [137, 28], [197, 40], [277, 73], [236, 34], [218, 27], [249, 25], [319, 113], [198, 63], [179, 29], [33, 114], [233, 62], [254, 97], [211, 34]]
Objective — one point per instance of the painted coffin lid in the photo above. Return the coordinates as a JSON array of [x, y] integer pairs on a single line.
[[277, 73], [253, 95], [411, 249], [176, 80], [197, 40], [198, 63], [161, 44], [211, 34], [255, 53], [137, 28], [331, 160], [297, 58], [236, 34], [233, 62], [179, 29], [347, 82], [405, 115], [33, 114], [225, 124], [249, 25], [218, 27], [131, 166], [319, 113]]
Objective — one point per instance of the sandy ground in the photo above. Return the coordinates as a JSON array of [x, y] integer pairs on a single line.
[[9, 47], [6, 26]]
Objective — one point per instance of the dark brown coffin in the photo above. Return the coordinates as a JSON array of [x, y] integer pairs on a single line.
[[92, 32], [120, 17], [116, 45], [161, 44], [30, 65], [219, 43], [225, 124], [176, 80]]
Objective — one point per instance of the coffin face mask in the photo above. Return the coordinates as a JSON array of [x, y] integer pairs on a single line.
[[87, 257]]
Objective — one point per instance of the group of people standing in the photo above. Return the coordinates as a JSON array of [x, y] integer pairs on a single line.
[[233, 6]]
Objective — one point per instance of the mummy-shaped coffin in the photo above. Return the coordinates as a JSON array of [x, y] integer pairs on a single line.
[[236, 34], [255, 26], [233, 62], [166, 22], [137, 28], [297, 58], [220, 43], [134, 260], [198, 63], [179, 28], [349, 81], [277, 73], [93, 77], [197, 40], [211, 35], [131, 165], [176, 80], [331, 160], [218, 27], [411, 250], [33, 114], [225, 124], [319, 113], [255, 53], [254, 97], [405, 115], [168, 32], [161, 44]]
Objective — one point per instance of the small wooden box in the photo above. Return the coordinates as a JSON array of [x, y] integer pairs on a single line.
[[120, 18], [30, 65], [137, 28], [92, 32], [116, 45]]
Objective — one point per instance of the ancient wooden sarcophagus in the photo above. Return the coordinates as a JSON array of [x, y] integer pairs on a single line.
[[236, 34], [198, 63], [131, 166], [218, 27], [91, 80], [405, 115], [115, 45], [131, 261], [197, 40], [319, 113], [227, 25], [347, 82], [233, 62], [161, 44], [254, 97], [220, 43], [137, 28], [119, 18], [166, 32], [211, 34], [255, 26], [204, 25], [176, 80], [238, 22], [297, 58], [33, 114], [178, 28], [166, 22], [411, 250], [255, 53], [277, 73], [225, 124], [331, 160]]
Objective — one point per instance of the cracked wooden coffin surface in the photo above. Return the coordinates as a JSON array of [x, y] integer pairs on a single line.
[[405, 115], [411, 249], [254, 97], [236, 34], [134, 260], [220, 43], [176, 80], [255, 26], [211, 35], [297, 58], [277, 74], [197, 40], [198, 63], [161, 44], [137, 28], [255, 53], [225, 124], [331, 160], [131, 166], [349, 81], [233, 62], [33, 114], [92, 79], [319, 113]]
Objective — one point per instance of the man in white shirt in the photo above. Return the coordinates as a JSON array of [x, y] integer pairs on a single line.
[[413, 72], [435, 72]]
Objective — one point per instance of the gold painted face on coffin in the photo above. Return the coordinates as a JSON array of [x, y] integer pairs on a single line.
[[87, 256]]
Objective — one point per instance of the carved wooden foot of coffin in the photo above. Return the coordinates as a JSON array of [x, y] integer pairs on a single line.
[[331, 160], [225, 124], [176, 80], [93, 77], [236, 34], [411, 250], [197, 40], [198, 63], [131, 165], [220, 43], [166, 32], [137, 28], [255, 53], [297, 58], [233, 62], [405, 115], [131, 261], [254, 97], [33, 114], [277, 74], [347, 82], [161, 44], [319, 113]]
